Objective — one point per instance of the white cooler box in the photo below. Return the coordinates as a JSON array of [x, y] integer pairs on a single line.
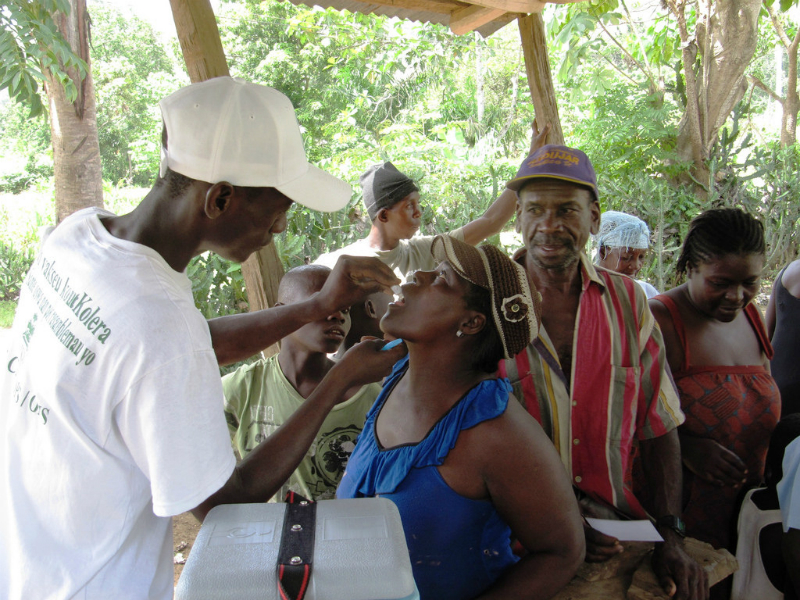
[[359, 553]]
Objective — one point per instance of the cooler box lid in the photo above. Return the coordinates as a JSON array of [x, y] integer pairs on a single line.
[[360, 553]]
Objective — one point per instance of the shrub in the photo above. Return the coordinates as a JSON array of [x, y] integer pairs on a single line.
[[217, 285], [14, 265], [7, 310]]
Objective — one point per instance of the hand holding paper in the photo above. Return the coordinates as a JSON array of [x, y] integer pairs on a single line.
[[626, 531]]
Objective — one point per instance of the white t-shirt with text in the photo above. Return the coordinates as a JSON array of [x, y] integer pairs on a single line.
[[110, 420]]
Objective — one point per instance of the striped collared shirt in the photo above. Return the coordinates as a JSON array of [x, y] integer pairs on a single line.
[[618, 389]]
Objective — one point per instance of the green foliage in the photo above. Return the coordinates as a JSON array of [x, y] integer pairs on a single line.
[[7, 311], [30, 42], [600, 45], [623, 132], [14, 265], [785, 5], [667, 209], [453, 112], [368, 89], [132, 71], [764, 181], [16, 182], [217, 285], [776, 194]]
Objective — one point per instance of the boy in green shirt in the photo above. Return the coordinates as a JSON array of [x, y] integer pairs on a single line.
[[259, 397]]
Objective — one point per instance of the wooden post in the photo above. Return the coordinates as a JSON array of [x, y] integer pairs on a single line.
[[202, 51], [540, 80]]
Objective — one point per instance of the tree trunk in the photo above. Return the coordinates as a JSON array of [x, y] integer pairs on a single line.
[[724, 42], [479, 96], [791, 105], [540, 80], [73, 125]]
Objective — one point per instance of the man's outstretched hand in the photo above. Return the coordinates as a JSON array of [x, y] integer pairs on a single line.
[[538, 137], [367, 361], [353, 279]]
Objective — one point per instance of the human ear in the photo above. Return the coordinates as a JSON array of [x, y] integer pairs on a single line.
[[383, 215], [473, 324], [369, 308], [218, 199], [594, 207]]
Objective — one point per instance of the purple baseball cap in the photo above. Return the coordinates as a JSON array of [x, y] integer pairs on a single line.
[[556, 162]]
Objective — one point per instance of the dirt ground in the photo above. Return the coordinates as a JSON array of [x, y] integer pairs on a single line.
[[184, 531]]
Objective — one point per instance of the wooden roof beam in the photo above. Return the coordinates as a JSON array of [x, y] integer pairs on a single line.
[[513, 6], [442, 7], [540, 80], [464, 20]]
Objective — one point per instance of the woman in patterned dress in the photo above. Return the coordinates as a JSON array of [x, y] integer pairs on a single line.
[[719, 353]]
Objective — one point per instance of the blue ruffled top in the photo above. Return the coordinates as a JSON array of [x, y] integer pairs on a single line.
[[458, 546]]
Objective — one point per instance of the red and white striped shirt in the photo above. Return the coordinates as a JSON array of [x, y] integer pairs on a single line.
[[618, 390]]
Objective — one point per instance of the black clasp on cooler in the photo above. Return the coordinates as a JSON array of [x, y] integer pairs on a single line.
[[296, 553]]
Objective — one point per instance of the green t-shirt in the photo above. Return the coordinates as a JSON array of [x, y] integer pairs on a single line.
[[259, 398]]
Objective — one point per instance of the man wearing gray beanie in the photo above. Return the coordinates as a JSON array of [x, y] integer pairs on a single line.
[[392, 201]]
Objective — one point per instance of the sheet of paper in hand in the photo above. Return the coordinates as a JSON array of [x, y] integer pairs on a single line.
[[626, 531]]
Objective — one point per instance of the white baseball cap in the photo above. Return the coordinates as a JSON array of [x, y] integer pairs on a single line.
[[227, 129]]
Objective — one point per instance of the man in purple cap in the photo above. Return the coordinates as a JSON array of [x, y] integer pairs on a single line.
[[596, 376]]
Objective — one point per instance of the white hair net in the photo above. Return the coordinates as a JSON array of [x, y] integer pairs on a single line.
[[621, 230]]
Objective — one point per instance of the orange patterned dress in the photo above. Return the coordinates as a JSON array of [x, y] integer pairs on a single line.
[[737, 407]]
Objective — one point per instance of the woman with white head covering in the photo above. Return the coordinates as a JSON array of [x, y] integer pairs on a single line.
[[622, 244]]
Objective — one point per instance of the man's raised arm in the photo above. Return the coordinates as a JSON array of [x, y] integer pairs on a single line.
[[237, 337], [502, 209]]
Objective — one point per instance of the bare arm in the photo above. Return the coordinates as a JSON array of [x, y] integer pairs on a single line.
[[770, 316], [237, 337], [260, 475], [503, 208], [679, 574], [531, 492]]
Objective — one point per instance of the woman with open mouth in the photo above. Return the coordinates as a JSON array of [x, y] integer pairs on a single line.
[[466, 465]]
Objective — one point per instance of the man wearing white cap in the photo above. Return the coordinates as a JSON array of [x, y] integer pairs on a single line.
[[111, 418], [622, 244]]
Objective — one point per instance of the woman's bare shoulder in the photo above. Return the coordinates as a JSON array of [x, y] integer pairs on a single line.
[[508, 433]]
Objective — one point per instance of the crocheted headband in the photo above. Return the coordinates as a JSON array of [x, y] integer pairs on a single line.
[[516, 305], [621, 230]]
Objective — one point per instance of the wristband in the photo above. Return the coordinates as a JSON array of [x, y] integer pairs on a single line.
[[672, 522]]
